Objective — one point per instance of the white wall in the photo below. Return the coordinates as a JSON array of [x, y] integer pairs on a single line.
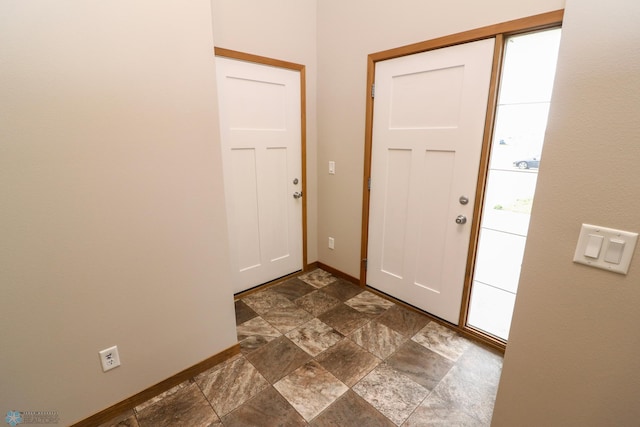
[[347, 32], [285, 30], [573, 354], [112, 216]]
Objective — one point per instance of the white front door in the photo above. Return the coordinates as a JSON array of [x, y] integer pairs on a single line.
[[428, 126], [260, 125]]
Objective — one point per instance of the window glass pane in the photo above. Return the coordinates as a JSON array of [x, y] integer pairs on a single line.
[[521, 121]]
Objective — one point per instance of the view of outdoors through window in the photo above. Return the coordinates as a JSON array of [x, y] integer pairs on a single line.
[[521, 120]]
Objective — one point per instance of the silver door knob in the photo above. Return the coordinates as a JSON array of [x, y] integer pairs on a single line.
[[297, 194], [461, 219]]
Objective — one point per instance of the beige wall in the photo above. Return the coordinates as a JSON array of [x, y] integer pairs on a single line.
[[111, 222], [573, 357], [347, 32], [285, 30]]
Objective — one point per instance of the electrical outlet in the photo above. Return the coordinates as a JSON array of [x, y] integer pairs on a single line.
[[331, 243], [110, 358]]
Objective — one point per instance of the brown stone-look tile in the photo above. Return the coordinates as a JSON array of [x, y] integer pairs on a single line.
[[156, 399], [351, 410], [462, 398], [230, 384], [442, 340], [318, 278], [391, 393], [480, 365], [126, 419], [278, 358], [314, 337], [243, 312], [253, 343], [264, 301], [310, 389], [403, 320], [288, 318], [469, 389], [256, 332], [317, 302], [293, 288], [434, 412], [369, 303], [422, 365], [185, 406], [342, 290], [345, 319], [348, 361], [380, 340], [267, 408]]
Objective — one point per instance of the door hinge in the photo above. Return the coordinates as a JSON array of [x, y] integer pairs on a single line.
[[369, 184], [365, 261], [373, 90]]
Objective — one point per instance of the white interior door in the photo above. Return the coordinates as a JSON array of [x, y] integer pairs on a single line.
[[260, 125], [428, 125]]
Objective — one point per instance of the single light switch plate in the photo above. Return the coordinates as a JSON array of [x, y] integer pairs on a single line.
[[605, 248], [332, 167]]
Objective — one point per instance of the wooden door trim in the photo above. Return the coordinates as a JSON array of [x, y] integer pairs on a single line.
[[497, 31], [263, 60]]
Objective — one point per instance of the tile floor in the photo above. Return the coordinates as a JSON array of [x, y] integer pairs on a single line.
[[319, 351]]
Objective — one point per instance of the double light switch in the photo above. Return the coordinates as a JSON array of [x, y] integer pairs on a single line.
[[605, 248]]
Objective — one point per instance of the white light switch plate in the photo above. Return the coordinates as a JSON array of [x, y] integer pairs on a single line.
[[613, 241]]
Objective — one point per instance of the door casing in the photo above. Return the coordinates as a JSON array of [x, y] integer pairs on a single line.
[[499, 31]]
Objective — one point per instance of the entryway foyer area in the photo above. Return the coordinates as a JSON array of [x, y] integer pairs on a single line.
[[317, 350]]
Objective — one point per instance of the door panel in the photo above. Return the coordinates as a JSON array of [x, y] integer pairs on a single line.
[[260, 126], [428, 127]]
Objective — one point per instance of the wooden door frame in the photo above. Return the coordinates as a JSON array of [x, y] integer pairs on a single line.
[[499, 32], [263, 60]]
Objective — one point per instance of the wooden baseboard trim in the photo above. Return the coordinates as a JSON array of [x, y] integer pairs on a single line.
[[135, 400], [339, 273]]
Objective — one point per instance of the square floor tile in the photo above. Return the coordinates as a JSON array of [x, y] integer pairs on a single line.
[[293, 288], [256, 326], [463, 398], [286, 319], [403, 320], [184, 406], [318, 278], [255, 333], [442, 340], [230, 384], [351, 410], [264, 301], [380, 340], [126, 419], [369, 303], [267, 408], [317, 302], [310, 389], [348, 361], [243, 312], [345, 319], [420, 364], [314, 337], [391, 393], [278, 358], [342, 290], [434, 412]]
